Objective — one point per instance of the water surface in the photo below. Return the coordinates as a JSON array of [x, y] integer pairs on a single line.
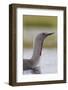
[[48, 60]]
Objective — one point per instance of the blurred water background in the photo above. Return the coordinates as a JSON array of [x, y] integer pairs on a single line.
[[33, 25]]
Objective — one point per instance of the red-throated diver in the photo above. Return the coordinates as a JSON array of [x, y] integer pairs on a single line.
[[31, 64]]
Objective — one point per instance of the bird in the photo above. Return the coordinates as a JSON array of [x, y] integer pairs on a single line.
[[32, 63]]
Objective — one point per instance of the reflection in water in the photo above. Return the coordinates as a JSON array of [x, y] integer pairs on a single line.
[[48, 60]]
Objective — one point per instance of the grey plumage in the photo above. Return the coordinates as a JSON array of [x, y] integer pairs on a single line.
[[31, 64]]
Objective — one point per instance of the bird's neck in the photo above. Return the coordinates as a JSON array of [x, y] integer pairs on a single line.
[[37, 50]]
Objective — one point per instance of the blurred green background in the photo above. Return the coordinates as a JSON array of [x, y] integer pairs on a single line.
[[33, 25]]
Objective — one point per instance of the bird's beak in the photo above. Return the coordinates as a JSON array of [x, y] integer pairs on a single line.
[[49, 34]]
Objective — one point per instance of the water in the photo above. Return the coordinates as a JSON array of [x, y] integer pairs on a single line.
[[48, 60]]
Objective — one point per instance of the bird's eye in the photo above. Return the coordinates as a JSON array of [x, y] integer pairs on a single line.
[[43, 33]]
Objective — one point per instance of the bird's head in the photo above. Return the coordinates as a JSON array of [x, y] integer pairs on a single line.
[[44, 35]]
